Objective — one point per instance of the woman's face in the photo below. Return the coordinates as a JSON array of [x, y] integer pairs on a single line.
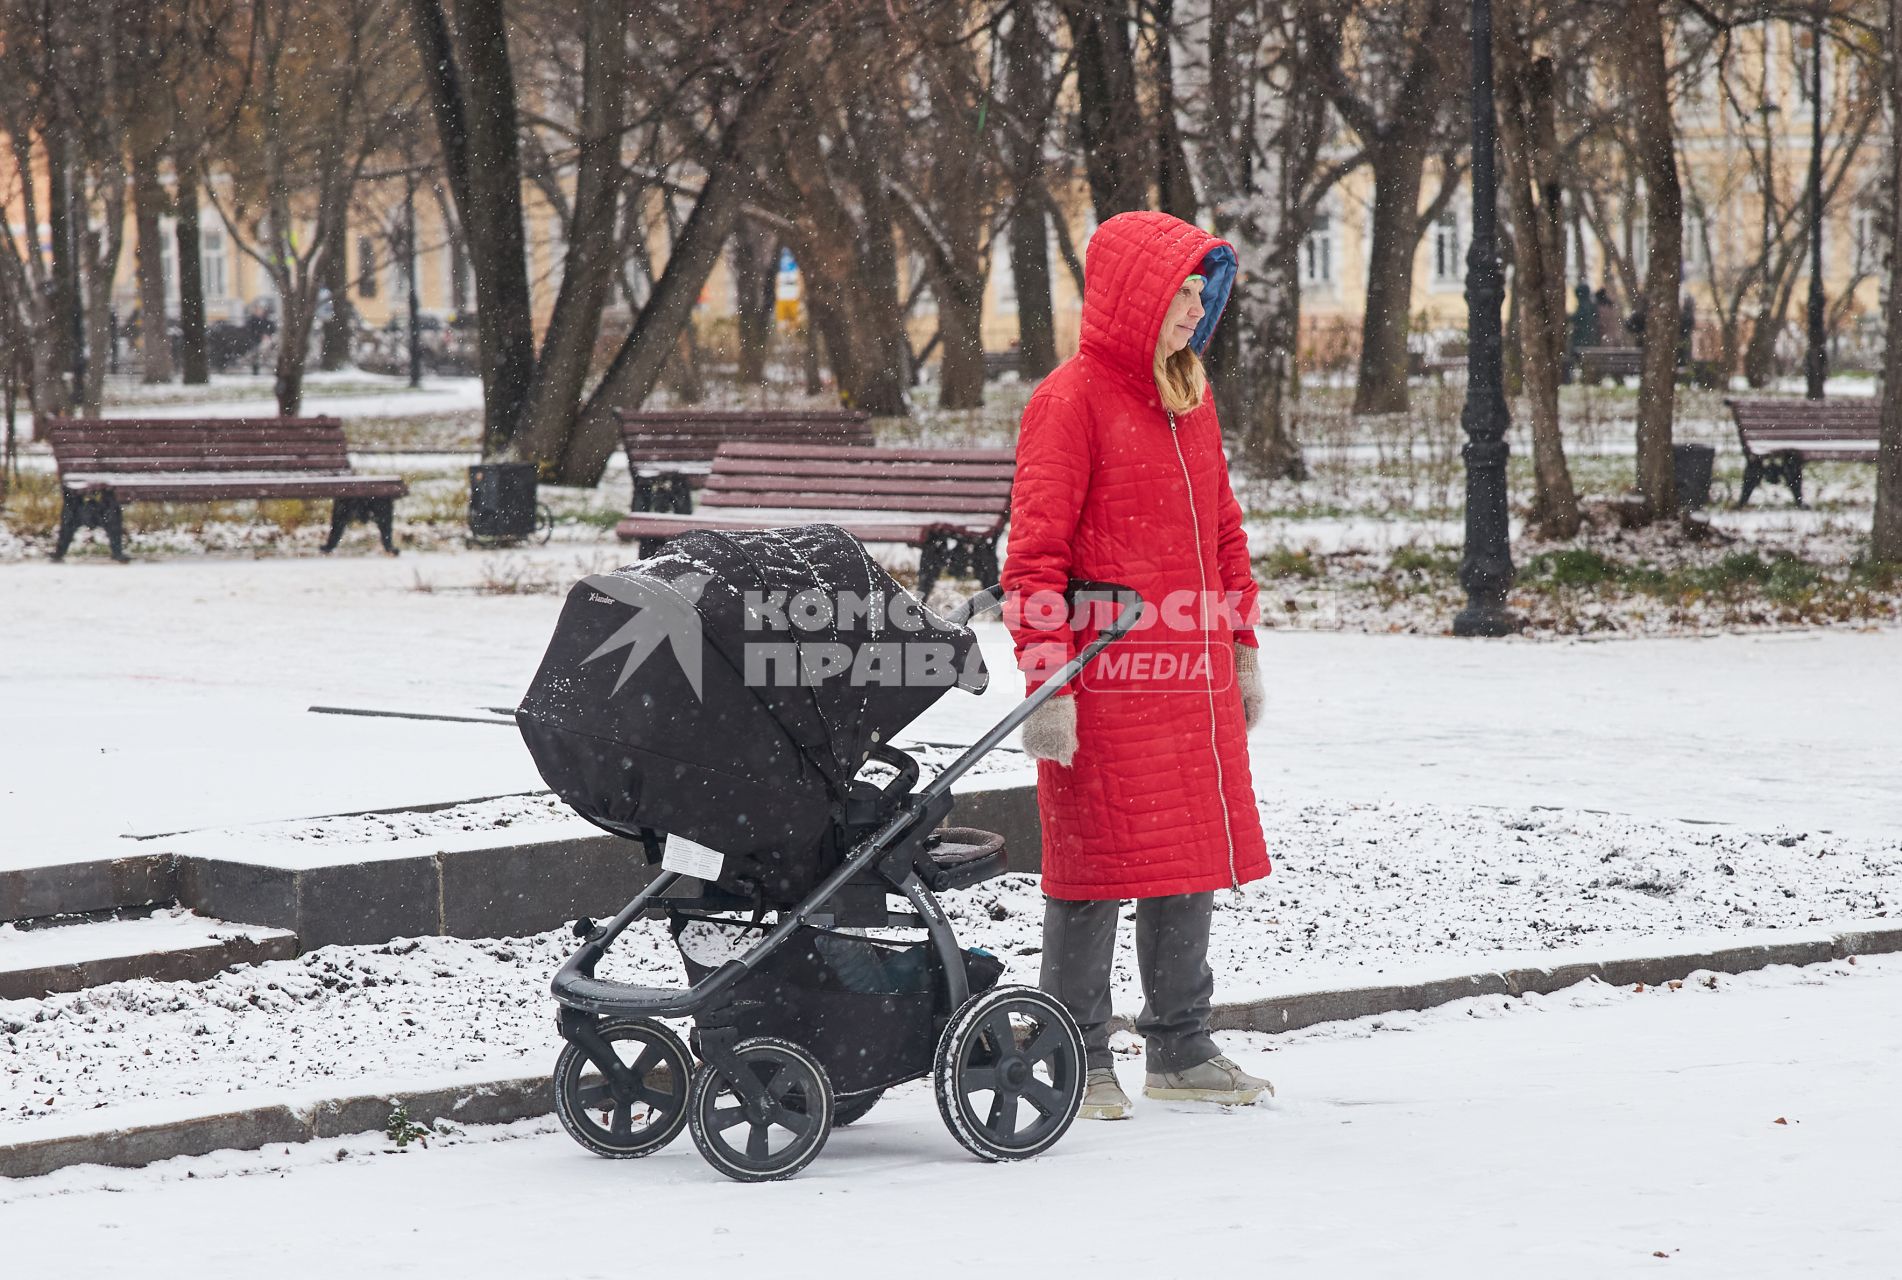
[[1185, 312]]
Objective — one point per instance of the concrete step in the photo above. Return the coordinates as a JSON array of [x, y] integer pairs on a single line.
[[487, 883], [169, 945], [73, 888]]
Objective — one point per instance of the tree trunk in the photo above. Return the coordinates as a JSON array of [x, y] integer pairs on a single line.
[[644, 353], [1027, 51], [1886, 534], [1382, 383], [102, 267], [471, 92], [827, 346], [1528, 143], [63, 339], [755, 251], [1255, 155], [1261, 405], [588, 272], [148, 203], [293, 348], [1117, 133], [191, 277], [333, 351], [1657, 158], [1173, 180], [960, 322], [458, 250]]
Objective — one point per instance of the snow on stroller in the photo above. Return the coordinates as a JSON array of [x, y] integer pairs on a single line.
[[735, 763]]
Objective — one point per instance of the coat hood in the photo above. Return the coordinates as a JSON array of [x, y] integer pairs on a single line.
[[1133, 266]]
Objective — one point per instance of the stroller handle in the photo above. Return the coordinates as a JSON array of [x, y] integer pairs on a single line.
[[1126, 619]]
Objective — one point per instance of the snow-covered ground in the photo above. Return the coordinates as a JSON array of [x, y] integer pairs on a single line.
[[348, 393], [174, 696], [1362, 894], [1740, 1130]]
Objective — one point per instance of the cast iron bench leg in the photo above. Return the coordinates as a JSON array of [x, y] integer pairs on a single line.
[[383, 511], [643, 493], [1753, 476], [1793, 475], [984, 563], [345, 512], [71, 513], [931, 562], [112, 520]]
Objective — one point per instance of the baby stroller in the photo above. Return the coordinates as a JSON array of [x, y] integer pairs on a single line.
[[734, 762]]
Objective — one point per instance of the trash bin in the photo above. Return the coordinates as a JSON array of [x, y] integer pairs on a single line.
[[502, 500], [1691, 465]]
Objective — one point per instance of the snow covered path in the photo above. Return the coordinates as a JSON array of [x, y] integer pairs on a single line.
[[1595, 1133]]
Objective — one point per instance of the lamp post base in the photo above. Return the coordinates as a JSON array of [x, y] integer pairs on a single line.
[[1486, 621]]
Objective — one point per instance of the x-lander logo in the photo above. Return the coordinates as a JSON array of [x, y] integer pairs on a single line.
[[665, 613]]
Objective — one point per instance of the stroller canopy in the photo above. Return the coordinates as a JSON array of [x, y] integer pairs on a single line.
[[730, 688]]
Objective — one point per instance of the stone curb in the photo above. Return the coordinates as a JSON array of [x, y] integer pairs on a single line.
[[499, 1101], [490, 1102], [1290, 1013], [489, 891]]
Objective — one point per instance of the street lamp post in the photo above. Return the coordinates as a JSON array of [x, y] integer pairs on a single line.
[[1486, 569], [1816, 365]]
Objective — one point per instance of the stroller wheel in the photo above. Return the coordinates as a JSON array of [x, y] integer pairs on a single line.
[[1009, 1073], [637, 1114], [776, 1134], [851, 1110]]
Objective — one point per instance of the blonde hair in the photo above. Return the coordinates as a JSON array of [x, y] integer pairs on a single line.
[[1180, 380]]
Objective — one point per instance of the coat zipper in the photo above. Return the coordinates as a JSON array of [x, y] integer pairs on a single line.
[[1201, 617]]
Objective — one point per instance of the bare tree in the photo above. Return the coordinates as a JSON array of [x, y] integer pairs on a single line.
[[724, 74], [1392, 88], [1028, 108], [308, 128], [1529, 145], [1886, 533], [48, 86], [1655, 142], [1250, 98], [1116, 133]]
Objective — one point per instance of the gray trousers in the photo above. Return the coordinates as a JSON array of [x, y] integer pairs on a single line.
[[1172, 958]]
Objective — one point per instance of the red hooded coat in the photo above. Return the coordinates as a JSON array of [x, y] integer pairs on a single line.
[[1158, 798]]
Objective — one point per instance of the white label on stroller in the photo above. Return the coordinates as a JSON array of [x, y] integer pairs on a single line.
[[689, 858]]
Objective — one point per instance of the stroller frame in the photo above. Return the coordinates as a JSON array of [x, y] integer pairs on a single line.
[[773, 1080]]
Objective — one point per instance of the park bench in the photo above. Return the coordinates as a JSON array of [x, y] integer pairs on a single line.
[[106, 462], [1780, 433], [669, 451], [949, 503], [999, 363], [1595, 364]]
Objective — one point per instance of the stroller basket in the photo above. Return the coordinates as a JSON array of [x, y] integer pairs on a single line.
[[868, 1009]]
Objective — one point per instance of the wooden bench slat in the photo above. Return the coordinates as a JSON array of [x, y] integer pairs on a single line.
[[711, 497], [820, 451], [730, 483], [870, 465], [890, 529]]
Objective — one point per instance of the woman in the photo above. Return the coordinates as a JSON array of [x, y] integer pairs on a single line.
[[1142, 777]]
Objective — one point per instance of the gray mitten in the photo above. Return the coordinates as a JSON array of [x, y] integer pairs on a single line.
[[1248, 680], [1050, 733]]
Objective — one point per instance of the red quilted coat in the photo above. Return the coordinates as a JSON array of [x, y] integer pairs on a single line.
[[1158, 798]]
